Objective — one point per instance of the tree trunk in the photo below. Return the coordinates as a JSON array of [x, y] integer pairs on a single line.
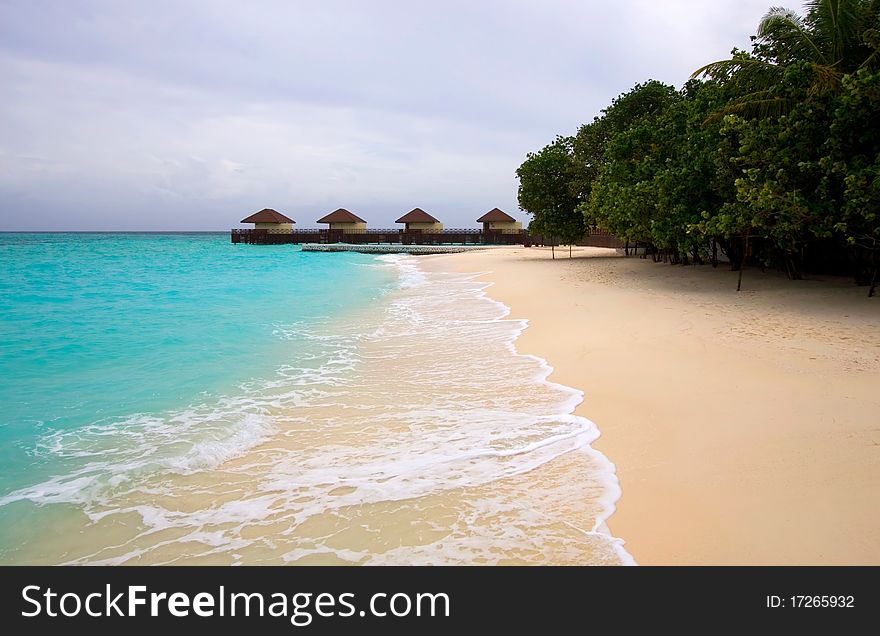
[[873, 286], [735, 253], [714, 252], [794, 272], [742, 264], [569, 250]]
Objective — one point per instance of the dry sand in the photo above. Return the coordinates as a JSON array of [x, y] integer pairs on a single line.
[[745, 428]]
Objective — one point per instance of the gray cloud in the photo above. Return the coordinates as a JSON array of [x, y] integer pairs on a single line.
[[169, 115]]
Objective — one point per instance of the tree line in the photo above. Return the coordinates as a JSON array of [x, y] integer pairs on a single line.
[[770, 157]]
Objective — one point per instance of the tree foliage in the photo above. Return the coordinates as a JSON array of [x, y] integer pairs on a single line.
[[545, 192], [834, 38], [774, 155]]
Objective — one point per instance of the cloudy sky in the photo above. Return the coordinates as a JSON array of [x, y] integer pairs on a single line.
[[176, 115]]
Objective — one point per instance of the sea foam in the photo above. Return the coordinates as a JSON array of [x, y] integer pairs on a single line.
[[409, 432]]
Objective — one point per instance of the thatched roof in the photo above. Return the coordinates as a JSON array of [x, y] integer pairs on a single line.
[[341, 216], [267, 215], [417, 215], [495, 215]]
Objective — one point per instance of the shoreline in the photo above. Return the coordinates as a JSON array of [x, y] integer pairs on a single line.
[[612, 494], [386, 438], [743, 427]]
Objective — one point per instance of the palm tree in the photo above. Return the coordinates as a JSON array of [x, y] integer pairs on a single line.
[[835, 37]]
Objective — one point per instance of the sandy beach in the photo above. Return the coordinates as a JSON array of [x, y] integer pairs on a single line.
[[745, 428]]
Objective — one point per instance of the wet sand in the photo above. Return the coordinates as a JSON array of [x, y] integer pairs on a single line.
[[745, 428]]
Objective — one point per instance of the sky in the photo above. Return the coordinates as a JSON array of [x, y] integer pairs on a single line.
[[173, 115]]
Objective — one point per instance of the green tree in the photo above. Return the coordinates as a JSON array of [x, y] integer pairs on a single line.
[[834, 38], [781, 202], [590, 144], [851, 166], [545, 192], [689, 183], [624, 196], [774, 157]]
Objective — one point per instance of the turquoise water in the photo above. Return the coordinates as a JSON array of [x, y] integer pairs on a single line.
[[113, 343], [176, 399]]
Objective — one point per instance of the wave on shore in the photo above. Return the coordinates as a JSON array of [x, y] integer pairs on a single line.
[[413, 434]]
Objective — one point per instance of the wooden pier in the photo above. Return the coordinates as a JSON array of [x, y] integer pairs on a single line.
[[380, 236], [460, 237], [416, 250]]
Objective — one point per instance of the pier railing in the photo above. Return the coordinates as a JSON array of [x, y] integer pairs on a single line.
[[454, 236], [464, 236], [597, 237]]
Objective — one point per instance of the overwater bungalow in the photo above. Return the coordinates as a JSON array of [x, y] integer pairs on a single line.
[[273, 228], [269, 219], [417, 220], [497, 221], [344, 220]]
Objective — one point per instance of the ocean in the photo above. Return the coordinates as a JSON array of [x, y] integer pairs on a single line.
[[176, 399]]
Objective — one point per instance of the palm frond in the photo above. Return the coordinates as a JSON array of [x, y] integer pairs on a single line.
[[791, 34], [723, 69], [826, 79], [759, 104], [838, 23], [776, 16], [871, 60], [871, 38]]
